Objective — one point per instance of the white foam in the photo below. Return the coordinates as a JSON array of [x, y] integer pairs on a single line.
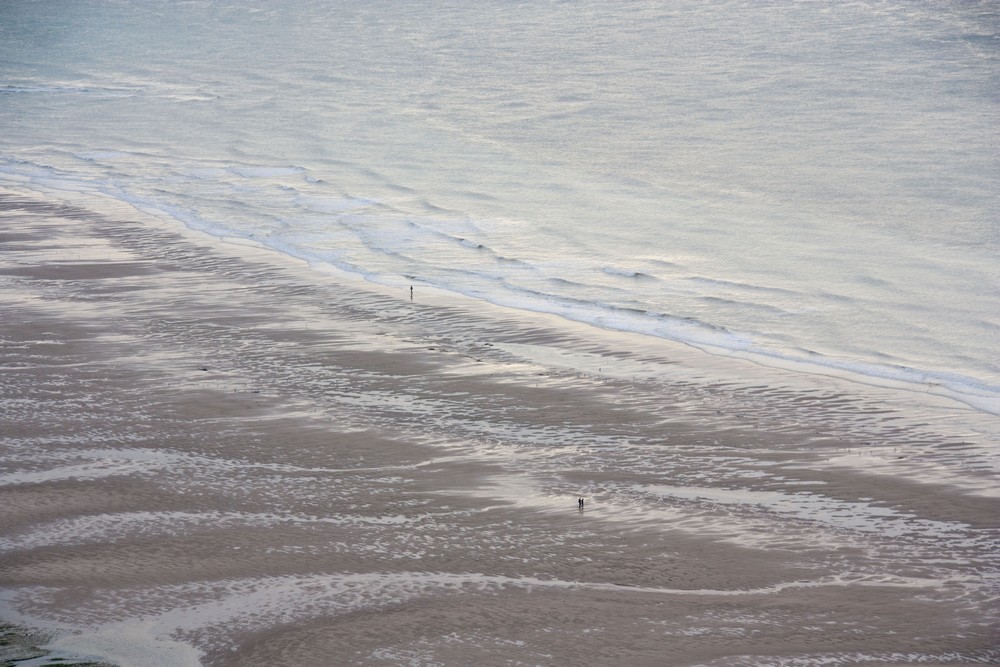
[[251, 171], [334, 205], [101, 155]]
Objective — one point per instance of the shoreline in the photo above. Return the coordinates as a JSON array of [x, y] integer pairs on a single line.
[[220, 456], [707, 364], [929, 386]]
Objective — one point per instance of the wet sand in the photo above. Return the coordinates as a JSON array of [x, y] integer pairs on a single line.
[[212, 454]]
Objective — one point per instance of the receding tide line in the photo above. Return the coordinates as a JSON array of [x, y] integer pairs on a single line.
[[248, 605]]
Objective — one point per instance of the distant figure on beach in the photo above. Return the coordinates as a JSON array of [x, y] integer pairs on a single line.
[[580, 503], [411, 292]]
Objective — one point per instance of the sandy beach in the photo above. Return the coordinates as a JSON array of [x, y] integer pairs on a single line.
[[211, 454]]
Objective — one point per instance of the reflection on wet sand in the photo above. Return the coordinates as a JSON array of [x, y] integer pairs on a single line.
[[211, 455]]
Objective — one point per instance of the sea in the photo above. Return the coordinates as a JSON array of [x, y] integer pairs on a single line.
[[810, 185]]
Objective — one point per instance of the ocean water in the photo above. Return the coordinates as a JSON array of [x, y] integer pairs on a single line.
[[811, 185]]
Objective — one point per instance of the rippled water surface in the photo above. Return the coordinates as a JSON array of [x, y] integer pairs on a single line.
[[806, 183]]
